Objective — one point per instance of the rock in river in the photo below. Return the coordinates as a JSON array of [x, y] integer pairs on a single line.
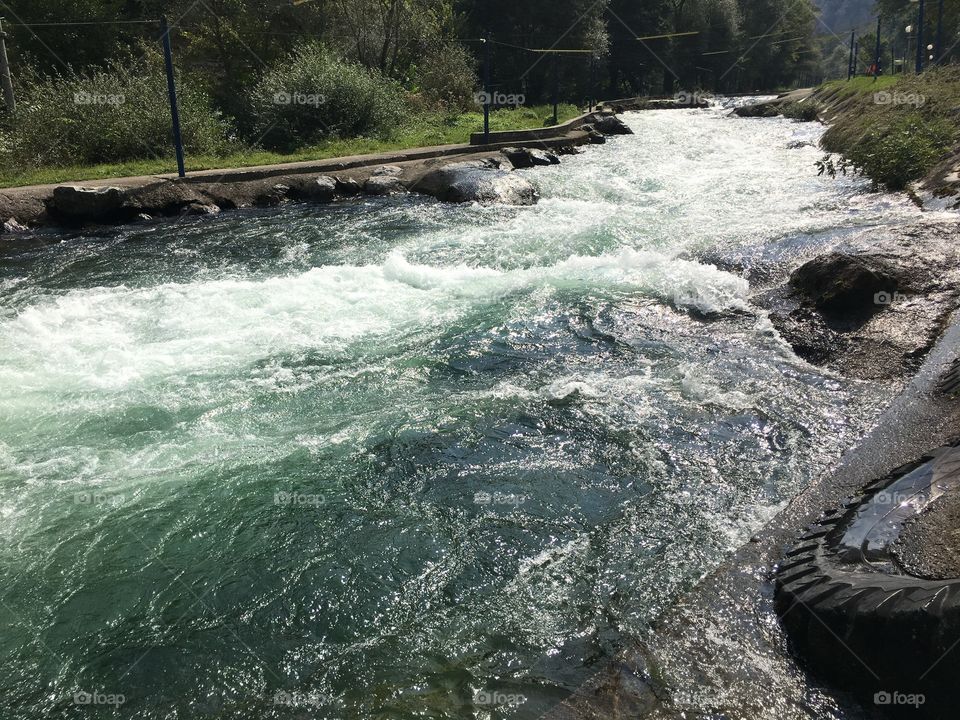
[[476, 182], [842, 283], [611, 125], [86, 203], [529, 157]]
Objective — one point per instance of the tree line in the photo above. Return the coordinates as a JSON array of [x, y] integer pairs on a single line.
[[727, 45], [91, 76]]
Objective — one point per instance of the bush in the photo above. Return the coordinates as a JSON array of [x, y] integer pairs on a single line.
[[312, 95], [897, 132], [896, 155], [106, 115], [446, 79]]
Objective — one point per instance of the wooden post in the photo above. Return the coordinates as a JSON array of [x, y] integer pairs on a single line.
[[8, 98]]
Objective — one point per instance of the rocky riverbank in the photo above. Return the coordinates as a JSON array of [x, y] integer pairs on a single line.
[[873, 307], [450, 174]]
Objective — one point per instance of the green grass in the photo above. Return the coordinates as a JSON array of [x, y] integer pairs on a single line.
[[898, 131], [421, 131], [861, 84]]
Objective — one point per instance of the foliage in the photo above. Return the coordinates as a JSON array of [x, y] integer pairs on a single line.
[[113, 114], [311, 95], [446, 78], [901, 151], [896, 134]]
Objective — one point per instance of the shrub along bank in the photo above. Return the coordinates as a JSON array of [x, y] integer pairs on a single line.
[[895, 131]]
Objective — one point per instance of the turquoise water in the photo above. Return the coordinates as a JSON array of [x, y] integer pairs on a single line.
[[396, 459]]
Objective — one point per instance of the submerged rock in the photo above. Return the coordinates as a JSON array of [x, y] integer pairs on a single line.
[[199, 209], [477, 182]]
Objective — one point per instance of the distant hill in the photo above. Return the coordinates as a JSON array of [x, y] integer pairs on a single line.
[[841, 15]]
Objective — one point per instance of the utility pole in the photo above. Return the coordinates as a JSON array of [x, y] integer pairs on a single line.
[[172, 92], [939, 52], [920, 50], [8, 98], [850, 61], [856, 57]]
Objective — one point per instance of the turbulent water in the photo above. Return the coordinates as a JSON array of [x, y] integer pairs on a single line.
[[393, 458]]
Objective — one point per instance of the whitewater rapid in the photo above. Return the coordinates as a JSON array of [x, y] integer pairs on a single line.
[[395, 457]]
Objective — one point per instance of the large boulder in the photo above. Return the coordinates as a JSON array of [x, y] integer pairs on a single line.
[[593, 135], [476, 182], [165, 197], [347, 186], [83, 204], [759, 110], [845, 284], [272, 196], [529, 157]]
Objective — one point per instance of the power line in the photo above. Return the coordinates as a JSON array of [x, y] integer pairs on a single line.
[[87, 22], [668, 35]]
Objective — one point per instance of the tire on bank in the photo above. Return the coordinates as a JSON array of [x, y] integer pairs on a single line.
[[858, 617]]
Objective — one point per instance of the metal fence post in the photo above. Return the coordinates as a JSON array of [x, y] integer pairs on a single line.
[[556, 90], [920, 48], [172, 91], [486, 90], [850, 65]]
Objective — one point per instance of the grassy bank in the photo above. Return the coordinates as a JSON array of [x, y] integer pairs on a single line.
[[894, 130], [420, 131]]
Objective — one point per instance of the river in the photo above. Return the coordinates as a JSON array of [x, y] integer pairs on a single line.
[[394, 458]]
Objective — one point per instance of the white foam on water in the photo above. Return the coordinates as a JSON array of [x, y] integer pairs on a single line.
[[118, 337]]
